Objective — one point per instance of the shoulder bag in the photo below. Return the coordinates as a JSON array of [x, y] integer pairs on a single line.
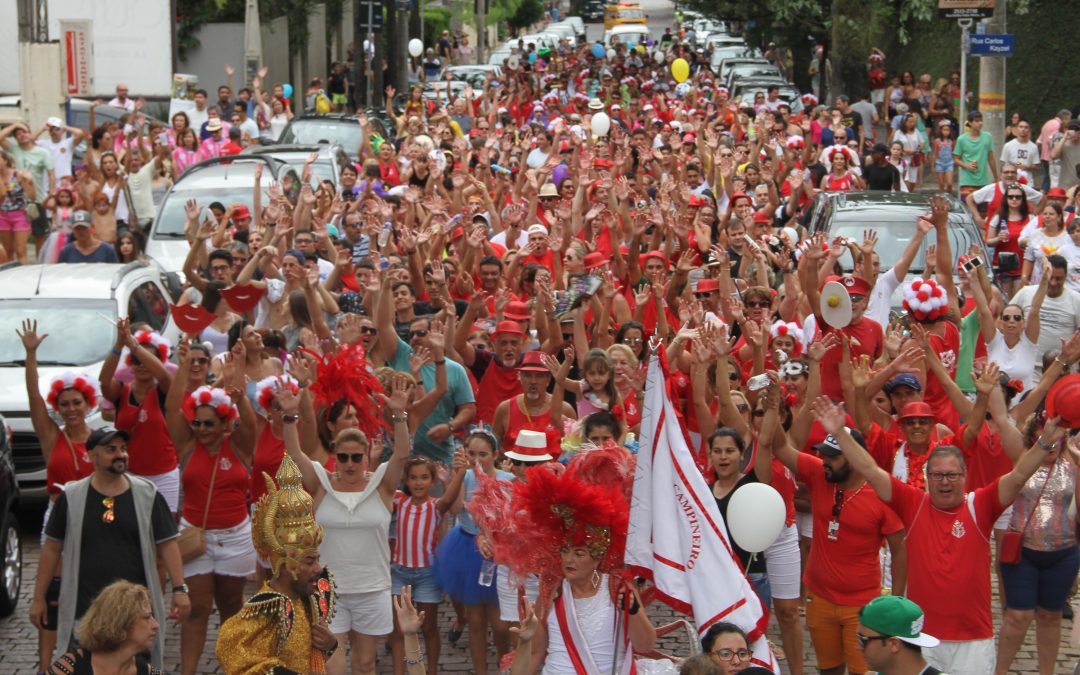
[[192, 540]]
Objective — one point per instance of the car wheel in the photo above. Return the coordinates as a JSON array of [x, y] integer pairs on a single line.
[[11, 571]]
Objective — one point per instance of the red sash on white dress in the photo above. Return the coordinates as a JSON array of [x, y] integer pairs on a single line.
[[576, 646]]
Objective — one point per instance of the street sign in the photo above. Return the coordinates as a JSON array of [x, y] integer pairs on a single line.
[[965, 9], [992, 45], [374, 9], [78, 57]]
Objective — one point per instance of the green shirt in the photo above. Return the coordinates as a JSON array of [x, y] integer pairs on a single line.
[[969, 338], [969, 149], [38, 161]]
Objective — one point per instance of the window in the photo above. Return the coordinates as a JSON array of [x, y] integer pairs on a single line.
[[147, 305]]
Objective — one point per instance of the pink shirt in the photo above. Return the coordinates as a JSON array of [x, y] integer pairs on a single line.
[[1052, 126]]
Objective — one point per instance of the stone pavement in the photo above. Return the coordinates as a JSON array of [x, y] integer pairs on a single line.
[[18, 655]]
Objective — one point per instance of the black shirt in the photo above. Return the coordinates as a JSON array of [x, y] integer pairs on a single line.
[[110, 550], [881, 177], [758, 565], [852, 121]]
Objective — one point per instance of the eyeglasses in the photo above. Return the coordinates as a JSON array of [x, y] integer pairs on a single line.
[[203, 424], [759, 413], [200, 361], [726, 654], [369, 330], [867, 639], [951, 476], [417, 333], [303, 242], [857, 298], [219, 268], [522, 462], [110, 513], [1016, 197], [345, 457], [917, 421], [1012, 317], [758, 304], [742, 407]]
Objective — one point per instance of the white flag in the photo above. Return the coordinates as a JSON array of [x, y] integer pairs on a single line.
[[677, 537]]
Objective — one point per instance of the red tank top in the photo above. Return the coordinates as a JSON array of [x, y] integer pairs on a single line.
[[269, 451], [497, 385], [228, 507], [66, 463], [842, 184], [150, 450], [520, 419]]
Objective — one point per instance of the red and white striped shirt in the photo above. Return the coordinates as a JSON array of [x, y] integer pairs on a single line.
[[416, 531]]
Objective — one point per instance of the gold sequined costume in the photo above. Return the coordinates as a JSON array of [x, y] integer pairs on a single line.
[[271, 635]]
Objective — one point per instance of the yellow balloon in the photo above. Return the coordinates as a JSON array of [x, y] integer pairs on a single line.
[[680, 69]]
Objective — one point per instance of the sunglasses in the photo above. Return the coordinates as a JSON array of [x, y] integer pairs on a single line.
[[110, 513], [203, 424], [867, 639], [857, 298], [917, 421], [369, 330], [1011, 317], [1016, 197], [758, 304], [345, 457], [417, 333], [200, 361], [522, 462]]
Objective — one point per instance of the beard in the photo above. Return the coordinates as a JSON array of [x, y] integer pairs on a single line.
[[838, 475]]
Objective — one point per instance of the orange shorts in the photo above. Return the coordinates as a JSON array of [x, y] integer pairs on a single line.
[[832, 632]]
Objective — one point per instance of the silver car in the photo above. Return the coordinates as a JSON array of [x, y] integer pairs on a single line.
[[77, 306]]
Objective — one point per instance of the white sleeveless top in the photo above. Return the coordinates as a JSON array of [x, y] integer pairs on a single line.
[[356, 531], [596, 617]]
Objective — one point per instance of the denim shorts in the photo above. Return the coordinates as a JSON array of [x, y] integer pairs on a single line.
[[1041, 580], [422, 579]]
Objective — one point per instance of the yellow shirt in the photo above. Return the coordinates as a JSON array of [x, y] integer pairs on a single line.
[[270, 631]]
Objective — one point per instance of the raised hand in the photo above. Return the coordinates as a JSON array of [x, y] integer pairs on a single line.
[[988, 379], [29, 336], [400, 390], [409, 620], [828, 413]]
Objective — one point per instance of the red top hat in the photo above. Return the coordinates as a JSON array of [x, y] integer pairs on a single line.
[[517, 310], [532, 362], [1064, 400], [916, 409]]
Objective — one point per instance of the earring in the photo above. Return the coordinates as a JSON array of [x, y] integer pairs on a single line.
[[595, 578]]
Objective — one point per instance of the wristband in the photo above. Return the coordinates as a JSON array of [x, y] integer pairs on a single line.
[[1046, 447], [401, 417], [413, 662], [115, 352], [441, 362]]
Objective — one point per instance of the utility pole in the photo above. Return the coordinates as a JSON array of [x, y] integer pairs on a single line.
[[400, 67], [992, 82], [361, 65], [481, 31]]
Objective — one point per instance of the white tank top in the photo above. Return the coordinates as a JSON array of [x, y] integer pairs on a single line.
[[356, 535], [596, 617]]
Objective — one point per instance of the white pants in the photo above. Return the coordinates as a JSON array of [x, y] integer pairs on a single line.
[[966, 657], [507, 584], [783, 563]]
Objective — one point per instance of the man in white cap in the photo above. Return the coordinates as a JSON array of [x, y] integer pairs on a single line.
[[60, 143], [891, 638]]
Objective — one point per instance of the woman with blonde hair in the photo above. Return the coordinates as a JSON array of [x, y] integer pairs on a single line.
[[114, 634]]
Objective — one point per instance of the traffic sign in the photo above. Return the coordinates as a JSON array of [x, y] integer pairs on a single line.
[[992, 45], [965, 9]]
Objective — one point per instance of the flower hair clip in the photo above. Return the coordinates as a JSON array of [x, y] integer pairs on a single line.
[[71, 380], [152, 341], [212, 397]]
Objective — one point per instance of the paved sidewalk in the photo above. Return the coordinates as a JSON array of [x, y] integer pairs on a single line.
[[19, 639]]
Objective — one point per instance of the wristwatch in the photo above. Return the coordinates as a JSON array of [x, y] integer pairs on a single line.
[[290, 419], [180, 588]]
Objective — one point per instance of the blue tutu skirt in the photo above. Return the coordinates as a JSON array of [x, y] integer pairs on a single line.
[[457, 569]]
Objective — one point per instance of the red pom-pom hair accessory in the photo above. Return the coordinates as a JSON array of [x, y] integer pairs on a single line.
[[925, 300], [81, 383], [153, 342], [213, 397], [268, 387], [789, 329]]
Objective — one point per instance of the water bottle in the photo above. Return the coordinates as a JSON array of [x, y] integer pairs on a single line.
[[487, 573], [384, 235], [501, 169], [631, 443]]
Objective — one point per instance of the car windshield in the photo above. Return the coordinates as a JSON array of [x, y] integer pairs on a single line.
[[895, 229], [80, 331], [312, 131], [171, 219], [625, 14], [321, 170]]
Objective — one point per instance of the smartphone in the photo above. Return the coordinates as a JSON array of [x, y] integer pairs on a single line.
[[757, 382], [972, 264]]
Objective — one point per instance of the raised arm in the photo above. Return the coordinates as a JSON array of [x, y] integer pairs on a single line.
[[1011, 483], [396, 404], [44, 427], [177, 424], [832, 419], [1033, 323], [290, 407]]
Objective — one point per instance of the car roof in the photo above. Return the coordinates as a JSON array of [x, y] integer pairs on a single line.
[[76, 281], [211, 176], [324, 149], [629, 28], [856, 200]]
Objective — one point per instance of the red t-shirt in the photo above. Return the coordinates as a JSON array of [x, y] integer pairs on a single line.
[[269, 451], [67, 462], [150, 450], [845, 570], [496, 384], [985, 458], [948, 560], [866, 338], [228, 502], [947, 348]]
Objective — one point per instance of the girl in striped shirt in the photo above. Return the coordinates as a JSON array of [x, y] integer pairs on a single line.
[[415, 534]]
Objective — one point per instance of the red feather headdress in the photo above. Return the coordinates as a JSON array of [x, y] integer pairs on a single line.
[[345, 375]]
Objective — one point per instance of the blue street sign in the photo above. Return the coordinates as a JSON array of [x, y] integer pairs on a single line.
[[992, 45]]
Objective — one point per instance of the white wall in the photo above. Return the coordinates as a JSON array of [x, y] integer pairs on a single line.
[[9, 48], [219, 43], [132, 42]]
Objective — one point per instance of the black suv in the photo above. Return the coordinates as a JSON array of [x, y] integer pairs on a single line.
[[11, 560]]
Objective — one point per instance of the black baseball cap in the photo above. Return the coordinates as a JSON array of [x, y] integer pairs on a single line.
[[104, 435], [830, 447]]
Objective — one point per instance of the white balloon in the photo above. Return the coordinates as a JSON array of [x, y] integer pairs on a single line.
[[601, 124], [513, 62], [416, 47], [755, 516], [610, 54], [658, 56]]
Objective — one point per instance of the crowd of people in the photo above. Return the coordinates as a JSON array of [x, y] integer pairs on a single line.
[[377, 378]]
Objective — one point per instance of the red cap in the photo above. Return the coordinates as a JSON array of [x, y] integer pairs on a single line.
[[241, 211], [856, 285], [688, 138], [740, 195], [1064, 399], [696, 200], [707, 286], [762, 217], [916, 409], [517, 310], [594, 260], [458, 232], [654, 254], [602, 163], [532, 362], [1056, 193], [509, 327]]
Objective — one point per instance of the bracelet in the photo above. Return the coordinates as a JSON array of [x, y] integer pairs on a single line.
[[180, 588], [1046, 447], [403, 417], [117, 352], [441, 362], [413, 662], [330, 652], [634, 607], [290, 419]]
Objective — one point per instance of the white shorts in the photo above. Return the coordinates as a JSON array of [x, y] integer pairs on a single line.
[[966, 657], [229, 553], [168, 484], [366, 613], [804, 522], [508, 593], [784, 566], [877, 96]]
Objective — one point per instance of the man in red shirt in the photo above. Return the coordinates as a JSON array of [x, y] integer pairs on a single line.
[[843, 573], [947, 539], [495, 371]]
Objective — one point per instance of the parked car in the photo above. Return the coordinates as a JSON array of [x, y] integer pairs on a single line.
[[721, 55], [474, 75], [746, 89], [723, 69], [77, 306], [332, 159], [576, 23], [629, 34], [228, 180], [11, 561], [751, 71], [892, 215], [334, 128]]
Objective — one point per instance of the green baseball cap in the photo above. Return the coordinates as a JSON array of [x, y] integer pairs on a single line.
[[897, 617]]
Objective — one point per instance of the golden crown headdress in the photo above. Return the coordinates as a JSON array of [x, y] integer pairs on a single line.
[[283, 528]]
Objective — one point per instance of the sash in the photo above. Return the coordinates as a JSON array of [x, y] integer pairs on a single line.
[[577, 648]]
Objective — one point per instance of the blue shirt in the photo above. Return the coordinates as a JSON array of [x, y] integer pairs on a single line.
[[460, 393], [104, 253]]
